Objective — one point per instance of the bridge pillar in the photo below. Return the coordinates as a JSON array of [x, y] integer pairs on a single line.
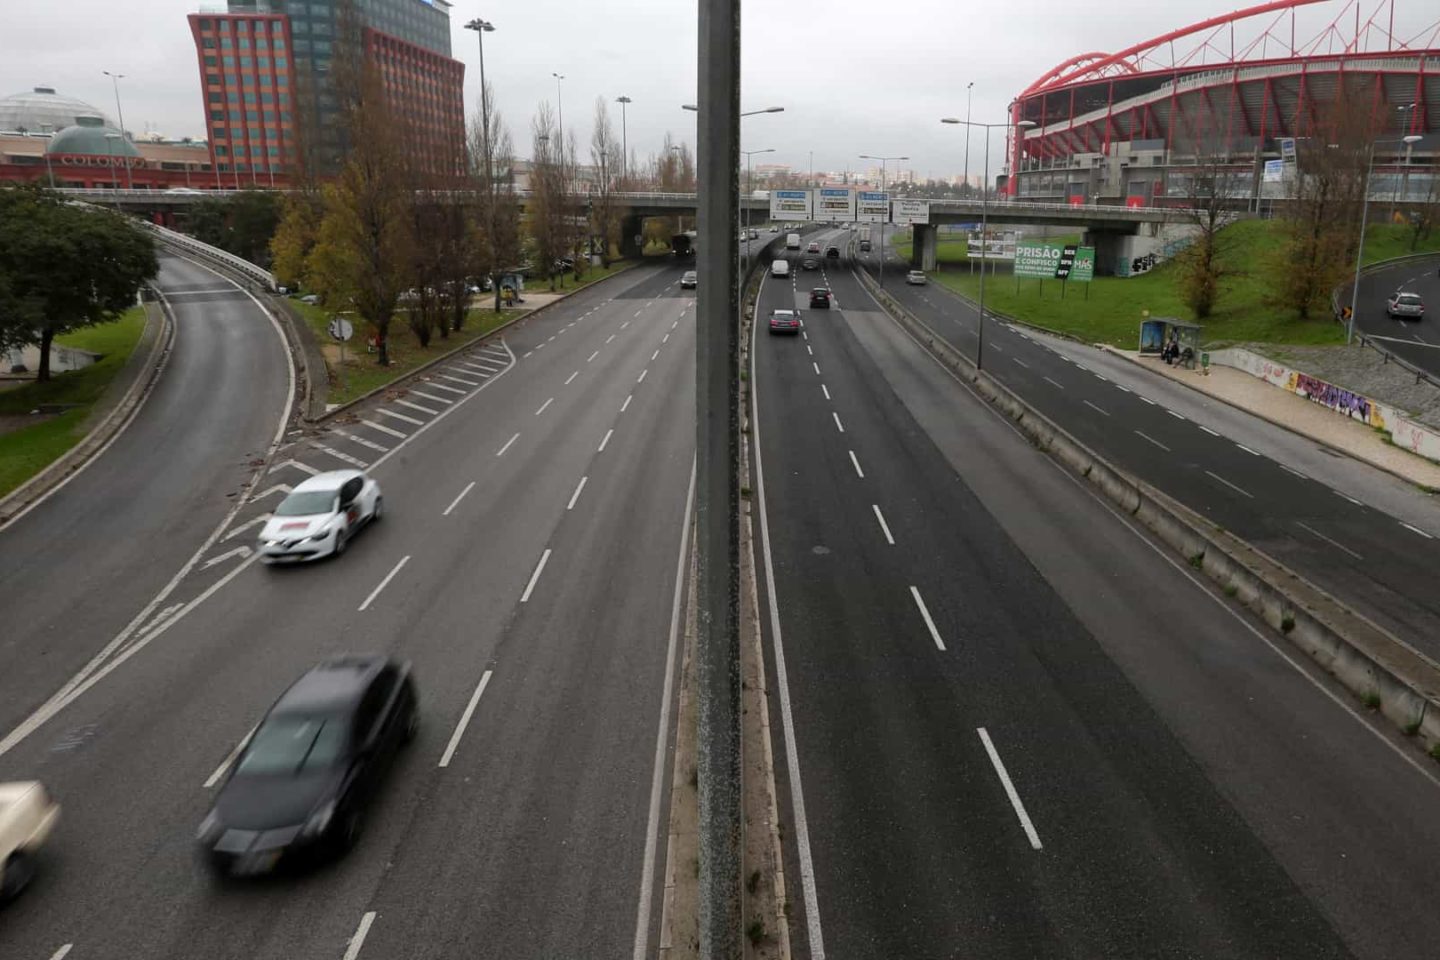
[[1109, 248], [923, 250], [630, 228]]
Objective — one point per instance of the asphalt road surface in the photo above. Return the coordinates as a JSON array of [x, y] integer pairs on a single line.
[[1416, 341], [527, 567], [1014, 726]]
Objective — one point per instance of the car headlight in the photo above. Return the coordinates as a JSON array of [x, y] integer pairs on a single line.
[[319, 821]]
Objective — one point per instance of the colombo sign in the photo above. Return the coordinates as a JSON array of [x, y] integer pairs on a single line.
[[834, 204], [790, 205], [1038, 260], [872, 207]]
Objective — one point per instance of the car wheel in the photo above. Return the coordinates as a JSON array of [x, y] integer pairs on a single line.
[[341, 541], [379, 510], [18, 871], [412, 724], [351, 830]]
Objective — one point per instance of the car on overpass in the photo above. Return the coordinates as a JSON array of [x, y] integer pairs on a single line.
[[784, 321], [1403, 304], [689, 280], [320, 516]]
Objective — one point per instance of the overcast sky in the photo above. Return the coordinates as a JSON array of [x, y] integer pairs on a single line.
[[853, 77]]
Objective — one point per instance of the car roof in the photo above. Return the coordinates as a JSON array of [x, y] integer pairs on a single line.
[[819, 289], [1406, 293], [782, 310], [330, 686], [331, 480]]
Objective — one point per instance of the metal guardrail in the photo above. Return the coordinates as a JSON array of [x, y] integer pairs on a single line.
[[243, 267]]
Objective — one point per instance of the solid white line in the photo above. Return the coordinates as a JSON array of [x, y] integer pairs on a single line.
[[1153, 440], [501, 451], [655, 354], [1095, 408], [840, 426], [609, 338], [384, 583], [826, 391], [338, 455], [817, 368], [1009, 789], [1247, 449], [1053, 383], [1293, 473], [456, 502], [1344, 496], [1209, 431], [417, 406], [214, 778], [571, 378], [534, 577], [430, 396], [1416, 530], [1231, 485], [592, 356], [384, 429], [576, 495], [358, 941], [465, 380], [544, 405], [858, 472], [1332, 543], [477, 367], [399, 416], [925, 612], [641, 378], [60, 954], [884, 527], [1021, 362], [464, 720], [626, 404], [360, 440], [601, 448]]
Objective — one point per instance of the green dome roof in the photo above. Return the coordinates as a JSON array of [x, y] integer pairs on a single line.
[[92, 140]]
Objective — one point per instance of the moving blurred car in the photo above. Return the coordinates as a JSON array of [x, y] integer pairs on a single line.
[[813, 248], [312, 299], [810, 263], [864, 246], [302, 783], [774, 229], [916, 278], [27, 816], [320, 516], [754, 234], [820, 298], [780, 268], [832, 253], [784, 321], [689, 280], [1405, 304]]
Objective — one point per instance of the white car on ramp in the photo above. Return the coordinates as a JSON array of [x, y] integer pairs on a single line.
[[320, 516]]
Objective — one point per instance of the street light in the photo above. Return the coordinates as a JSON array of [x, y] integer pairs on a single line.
[[985, 219], [747, 113], [1364, 218], [883, 161], [560, 111], [482, 27], [110, 139], [749, 194], [965, 184], [624, 142], [115, 79]]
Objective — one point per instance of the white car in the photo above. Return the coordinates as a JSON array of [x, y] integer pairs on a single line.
[[780, 268], [27, 815], [320, 516], [915, 278]]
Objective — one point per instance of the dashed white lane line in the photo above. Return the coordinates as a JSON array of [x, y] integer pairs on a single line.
[[1145, 436], [1294, 473], [840, 426], [399, 416], [609, 338], [1095, 408], [1053, 383], [1333, 543], [1346, 496], [601, 448], [339, 455], [858, 472], [465, 719], [1247, 449], [526, 354], [637, 313], [1175, 415], [1207, 430], [675, 324], [925, 612], [440, 386], [592, 356], [654, 355], [665, 339], [214, 778], [383, 584], [808, 350], [643, 373], [1416, 530], [1099, 377], [624, 406], [996, 347], [1021, 362], [576, 495], [1019, 807], [61, 953], [432, 396], [826, 391], [361, 932], [1240, 490], [1121, 386], [456, 502], [571, 378], [535, 577], [884, 527], [552, 338], [501, 451], [544, 405], [816, 366], [1146, 399], [539, 346]]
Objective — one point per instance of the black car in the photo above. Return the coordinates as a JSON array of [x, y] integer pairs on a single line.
[[820, 298], [832, 253], [304, 779]]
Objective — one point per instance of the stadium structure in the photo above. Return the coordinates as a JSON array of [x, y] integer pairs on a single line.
[[1235, 91]]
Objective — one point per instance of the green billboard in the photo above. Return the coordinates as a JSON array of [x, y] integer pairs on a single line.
[[1041, 260]]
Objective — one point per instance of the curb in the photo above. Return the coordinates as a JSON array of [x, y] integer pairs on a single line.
[[304, 348], [1371, 662], [32, 491]]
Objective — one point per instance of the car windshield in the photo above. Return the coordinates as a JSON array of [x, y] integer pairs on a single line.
[[1410, 299], [288, 744], [304, 503]]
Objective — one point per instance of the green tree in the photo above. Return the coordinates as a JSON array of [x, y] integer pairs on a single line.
[[64, 266], [295, 237]]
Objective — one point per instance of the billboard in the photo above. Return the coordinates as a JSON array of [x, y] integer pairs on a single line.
[[834, 204], [1042, 260], [790, 205], [910, 211], [1274, 171], [872, 207]]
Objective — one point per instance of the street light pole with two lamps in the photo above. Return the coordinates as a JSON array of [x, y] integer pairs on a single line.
[[482, 27], [115, 79]]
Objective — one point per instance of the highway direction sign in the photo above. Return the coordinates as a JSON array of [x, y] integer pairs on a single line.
[[911, 211], [790, 205], [835, 204], [872, 207]]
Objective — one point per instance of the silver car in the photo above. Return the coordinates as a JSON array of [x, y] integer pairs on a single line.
[[1404, 304], [320, 516], [915, 278]]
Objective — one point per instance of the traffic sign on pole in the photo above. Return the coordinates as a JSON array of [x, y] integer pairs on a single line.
[[872, 206], [790, 205], [834, 205]]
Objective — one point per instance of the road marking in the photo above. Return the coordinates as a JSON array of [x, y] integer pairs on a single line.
[[1098, 376], [534, 577], [501, 451], [601, 448], [1332, 543], [665, 339], [303, 468], [609, 338], [1053, 383], [884, 527], [1009, 789], [592, 356], [1174, 414], [925, 612], [637, 313], [1416, 530], [416, 406], [1146, 399], [809, 350], [816, 366], [1293, 473], [399, 416], [1231, 485], [624, 406], [826, 391], [241, 552], [1153, 440], [1095, 408], [858, 472], [383, 583], [456, 502], [576, 495], [804, 334], [1247, 449], [464, 720], [996, 348], [539, 346], [1345, 496], [571, 378], [384, 429], [675, 324], [60, 954], [277, 488], [1120, 386], [246, 526], [1208, 430], [362, 441], [477, 367], [358, 941], [654, 355], [431, 396], [552, 337], [214, 778], [454, 379], [641, 378], [544, 405], [1021, 362], [343, 457], [840, 426]]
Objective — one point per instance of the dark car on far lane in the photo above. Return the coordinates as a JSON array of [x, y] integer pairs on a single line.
[[784, 321], [820, 298], [832, 253], [302, 783]]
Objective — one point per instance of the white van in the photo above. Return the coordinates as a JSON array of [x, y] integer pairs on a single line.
[[780, 268], [792, 241]]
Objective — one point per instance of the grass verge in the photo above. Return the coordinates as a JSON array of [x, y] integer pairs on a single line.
[[27, 451]]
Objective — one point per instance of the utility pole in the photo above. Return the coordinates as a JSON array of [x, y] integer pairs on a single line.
[[624, 142], [115, 79], [482, 27], [965, 180]]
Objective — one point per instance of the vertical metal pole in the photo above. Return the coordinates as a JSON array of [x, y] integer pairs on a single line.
[[882, 225], [717, 448], [120, 113], [624, 144], [1360, 247], [489, 170], [984, 229]]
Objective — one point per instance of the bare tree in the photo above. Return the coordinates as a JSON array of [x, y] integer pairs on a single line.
[[492, 174], [1206, 261], [549, 202], [607, 159]]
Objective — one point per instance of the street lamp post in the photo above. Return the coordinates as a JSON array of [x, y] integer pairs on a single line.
[[965, 179], [985, 220], [883, 161], [749, 194], [560, 112], [110, 139], [115, 79], [1364, 220], [624, 142], [482, 27]]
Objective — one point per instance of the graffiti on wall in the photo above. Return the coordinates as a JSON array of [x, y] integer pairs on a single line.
[[1327, 394]]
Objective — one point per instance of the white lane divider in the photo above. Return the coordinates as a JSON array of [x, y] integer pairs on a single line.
[[241, 552], [464, 720], [246, 526], [214, 778], [1239, 490], [838, 425], [1333, 543], [501, 451], [592, 356], [641, 378], [361, 932], [61, 953], [1057, 386], [1346, 496], [391, 431], [571, 378], [601, 448], [1175, 415], [858, 472], [535, 577], [1294, 473], [544, 405], [456, 502], [576, 495], [825, 390], [654, 355], [345, 457], [925, 612], [1247, 449], [303, 468], [1422, 533], [383, 583], [436, 398], [1145, 436], [609, 338], [368, 444], [400, 416], [626, 405], [1021, 362], [1209, 431], [1009, 789], [1095, 408], [1146, 399], [665, 339], [884, 527], [816, 366]]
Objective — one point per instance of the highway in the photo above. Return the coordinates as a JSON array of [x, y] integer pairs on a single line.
[[535, 490], [1415, 342], [1020, 727]]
